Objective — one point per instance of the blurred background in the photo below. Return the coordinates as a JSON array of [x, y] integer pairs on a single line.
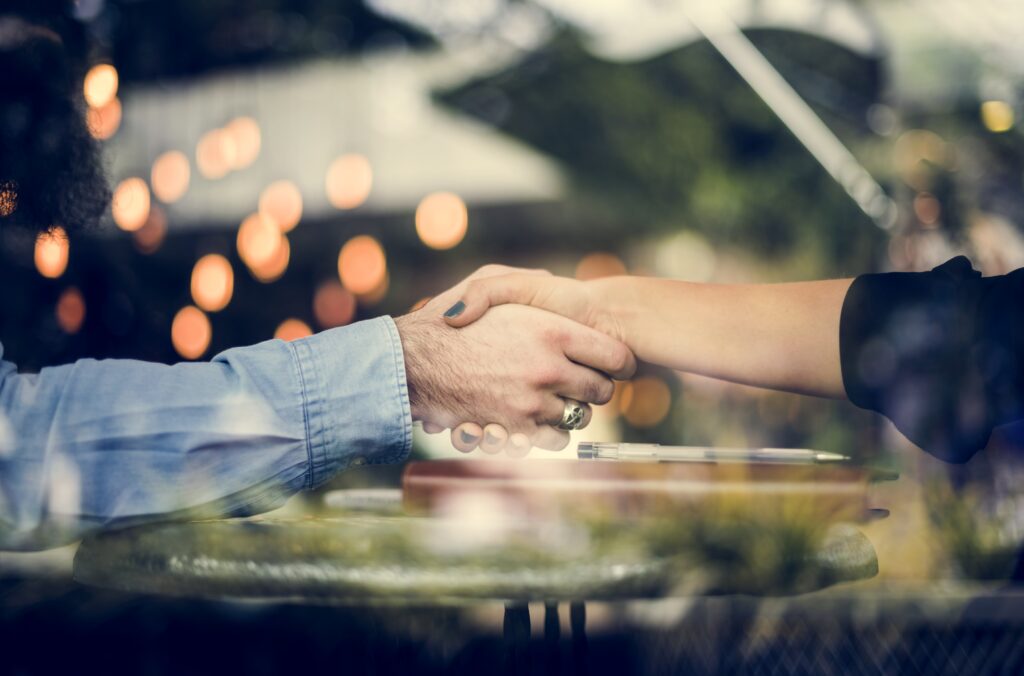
[[283, 167]]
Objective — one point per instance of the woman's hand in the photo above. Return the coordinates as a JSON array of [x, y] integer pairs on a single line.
[[585, 302]]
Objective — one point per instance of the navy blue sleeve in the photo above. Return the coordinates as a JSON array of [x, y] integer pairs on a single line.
[[939, 353]]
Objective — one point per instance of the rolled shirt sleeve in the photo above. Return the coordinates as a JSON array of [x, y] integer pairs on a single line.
[[939, 353], [99, 443]]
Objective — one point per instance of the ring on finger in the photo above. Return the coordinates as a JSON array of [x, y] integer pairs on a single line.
[[574, 415]]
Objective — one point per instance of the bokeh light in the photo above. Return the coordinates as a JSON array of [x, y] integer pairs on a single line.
[[170, 176], [644, 402], [362, 266], [281, 204], [599, 264], [441, 220], [130, 205], [244, 133], [349, 181], [191, 332], [273, 268], [258, 241], [100, 86], [70, 311], [333, 305], [997, 116], [213, 282], [214, 154], [51, 253], [292, 329], [150, 236], [104, 122]]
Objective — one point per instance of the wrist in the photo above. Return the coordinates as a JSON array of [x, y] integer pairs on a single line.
[[614, 304]]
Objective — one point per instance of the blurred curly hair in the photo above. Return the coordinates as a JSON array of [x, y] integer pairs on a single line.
[[50, 168]]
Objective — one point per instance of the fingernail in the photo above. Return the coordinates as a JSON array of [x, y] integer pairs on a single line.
[[467, 438], [455, 310], [490, 438]]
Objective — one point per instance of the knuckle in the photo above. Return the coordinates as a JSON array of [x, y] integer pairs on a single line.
[[601, 391], [547, 376]]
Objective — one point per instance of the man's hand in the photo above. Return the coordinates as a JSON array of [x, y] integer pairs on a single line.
[[513, 367]]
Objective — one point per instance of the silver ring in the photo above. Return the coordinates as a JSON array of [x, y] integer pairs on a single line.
[[573, 415]]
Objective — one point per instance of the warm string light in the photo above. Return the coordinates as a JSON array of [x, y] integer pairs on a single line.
[[333, 305], [292, 329], [100, 86], [130, 205], [599, 264], [213, 282], [70, 310], [281, 204], [170, 176], [258, 240], [274, 268], [441, 220], [645, 401], [348, 181], [230, 148], [191, 332], [362, 266], [151, 235], [51, 252]]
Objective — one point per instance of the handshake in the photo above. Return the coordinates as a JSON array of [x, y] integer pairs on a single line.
[[516, 376]]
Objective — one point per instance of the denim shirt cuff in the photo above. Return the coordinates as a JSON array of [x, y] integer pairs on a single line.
[[355, 397]]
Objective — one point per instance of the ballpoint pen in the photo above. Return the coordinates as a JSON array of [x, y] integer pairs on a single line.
[[590, 450]]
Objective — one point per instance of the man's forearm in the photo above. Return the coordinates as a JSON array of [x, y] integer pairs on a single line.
[[780, 336]]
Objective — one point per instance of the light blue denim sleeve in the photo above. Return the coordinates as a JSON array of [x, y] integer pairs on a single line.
[[100, 443]]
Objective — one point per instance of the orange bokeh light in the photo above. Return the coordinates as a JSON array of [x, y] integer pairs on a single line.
[[70, 310], [441, 220], [349, 181], [362, 266], [100, 86], [599, 264], [170, 176], [214, 154], [51, 253], [245, 136], [191, 332], [645, 402], [151, 235], [130, 205], [104, 122], [333, 305], [213, 282], [292, 329], [272, 269], [258, 241], [281, 203]]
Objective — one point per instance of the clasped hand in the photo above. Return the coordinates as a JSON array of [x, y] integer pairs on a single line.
[[500, 379]]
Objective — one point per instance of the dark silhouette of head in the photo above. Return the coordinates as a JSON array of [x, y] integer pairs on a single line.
[[50, 169]]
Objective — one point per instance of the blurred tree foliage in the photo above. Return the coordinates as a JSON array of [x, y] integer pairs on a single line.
[[682, 140]]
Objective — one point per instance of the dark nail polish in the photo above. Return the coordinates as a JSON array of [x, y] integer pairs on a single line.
[[467, 438], [490, 438], [455, 310]]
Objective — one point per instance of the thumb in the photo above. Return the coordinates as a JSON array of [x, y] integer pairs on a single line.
[[480, 294]]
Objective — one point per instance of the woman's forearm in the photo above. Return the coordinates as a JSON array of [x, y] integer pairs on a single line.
[[780, 336]]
